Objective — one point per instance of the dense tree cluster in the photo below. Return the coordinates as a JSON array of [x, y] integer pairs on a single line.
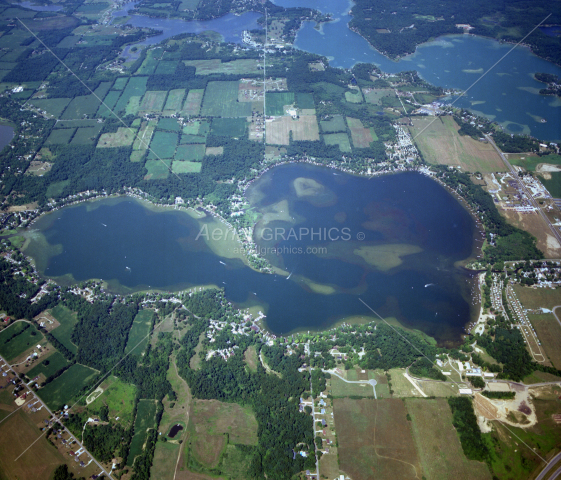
[[465, 421]]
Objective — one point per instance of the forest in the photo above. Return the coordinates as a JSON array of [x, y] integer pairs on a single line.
[[396, 27]]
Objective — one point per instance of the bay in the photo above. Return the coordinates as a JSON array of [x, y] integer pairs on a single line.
[[414, 231], [508, 95], [6, 135]]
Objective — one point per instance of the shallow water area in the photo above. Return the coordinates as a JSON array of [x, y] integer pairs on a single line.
[[508, 95], [400, 237]]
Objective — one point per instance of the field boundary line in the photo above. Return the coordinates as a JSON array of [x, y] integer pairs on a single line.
[[95, 95], [456, 383], [485, 73]]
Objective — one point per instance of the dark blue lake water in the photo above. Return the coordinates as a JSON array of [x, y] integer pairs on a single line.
[[413, 231]]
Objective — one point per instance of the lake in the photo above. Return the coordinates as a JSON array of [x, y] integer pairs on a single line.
[[508, 95], [6, 135], [392, 241]]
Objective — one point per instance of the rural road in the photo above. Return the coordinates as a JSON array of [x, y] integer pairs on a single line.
[[363, 382], [34, 396], [533, 201], [555, 315], [549, 466]]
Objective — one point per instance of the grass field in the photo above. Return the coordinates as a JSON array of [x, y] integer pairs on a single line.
[[18, 433], [375, 439], [163, 145], [157, 169], [162, 466], [119, 398], [192, 139], [276, 101], [153, 101], [400, 385], [138, 335], [145, 419], [553, 184], [196, 127], [221, 100], [123, 137], [166, 67], [438, 443], [375, 95], [86, 135], [231, 127], [150, 63], [250, 358], [190, 153], [142, 140], [26, 337], [530, 162], [60, 136], [67, 320], [361, 136], [333, 125], [192, 104], [186, 167], [174, 101], [234, 67], [340, 389], [55, 362], [169, 124], [133, 106], [120, 83], [110, 100], [440, 144], [354, 96], [86, 104], [340, 139], [214, 424], [53, 106], [62, 389], [538, 297], [136, 86], [304, 128], [548, 331], [305, 101]]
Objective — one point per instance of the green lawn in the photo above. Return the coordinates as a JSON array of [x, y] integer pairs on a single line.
[[63, 389], [67, 320], [18, 338], [138, 335], [119, 398]]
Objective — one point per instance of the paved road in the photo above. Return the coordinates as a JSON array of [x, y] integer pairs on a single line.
[[35, 397], [549, 466], [363, 382], [555, 232]]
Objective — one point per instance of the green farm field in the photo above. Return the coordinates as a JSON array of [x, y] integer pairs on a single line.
[[153, 101], [169, 124], [110, 100], [136, 86], [335, 124], [340, 389], [221, 100], [60, 136], [361, 136], [145, 419], [157, 169], [119, 398], [530, 162], [163, 145], [375, 439], [340, 139], [186, 167], [67, 320], [192, 104], [438, 442], [174, 101], [63, 389], [53, 106], [231, 127], [215, 65], [194, 152], [54, 362], [86, 135], [139, 333], [123, 137], [441, 144], [18, 338], [87, 104], [275, 102]]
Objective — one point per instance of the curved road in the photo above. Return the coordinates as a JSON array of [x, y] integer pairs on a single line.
[[363, 382], [555, 315], [549, 466]]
